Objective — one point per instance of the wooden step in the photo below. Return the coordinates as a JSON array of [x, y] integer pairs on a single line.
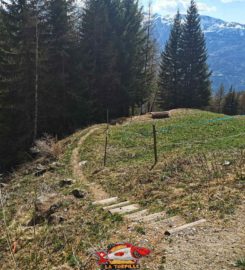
[[184, 227], [118, 205], [152, 217], [135, 216], [125, 209], [106, 201]]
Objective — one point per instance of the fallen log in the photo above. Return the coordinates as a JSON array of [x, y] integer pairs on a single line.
[[160, 115], [106, 201], [124, 209], [184, 227], [116, 205]]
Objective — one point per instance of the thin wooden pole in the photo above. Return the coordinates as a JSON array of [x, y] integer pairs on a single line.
[[155, 144], [106, 143], [36, 76], [106, 137], [107, 118]]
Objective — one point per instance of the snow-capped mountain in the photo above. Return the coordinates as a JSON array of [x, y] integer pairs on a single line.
[[225, 43]]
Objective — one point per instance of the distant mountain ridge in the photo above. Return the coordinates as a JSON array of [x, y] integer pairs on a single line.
[[225, 44]]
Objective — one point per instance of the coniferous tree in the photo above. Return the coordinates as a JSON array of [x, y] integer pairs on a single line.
[[218, 99], [115, 67], [170, 95], [16, 81], [135, 56], [100, 61], [59, 41], [36, 26], [241, 102], [57, 74], [4, 125], [196, 75], [231, 102]]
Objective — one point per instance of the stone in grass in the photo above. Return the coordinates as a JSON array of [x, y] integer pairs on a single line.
[[79, 194], [3, 185], [66, 182], [83, 163], [45, 206], [62, 267], [226, 163], [55, 219], [40, 170]]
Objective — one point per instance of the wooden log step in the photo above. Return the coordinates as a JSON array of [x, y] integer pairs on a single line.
[[184, 227], [152, 217], [106, 201], [135, 216], [125, 209], [116, 205]]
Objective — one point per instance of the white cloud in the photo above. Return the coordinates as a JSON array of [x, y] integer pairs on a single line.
[[203, 7], [171, 6], [232, 1]]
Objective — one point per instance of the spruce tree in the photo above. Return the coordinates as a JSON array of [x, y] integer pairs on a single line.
[[100, 57], [241, 101], [219, 98], [196, 75], [17, 83], [170, 88], [57, 85], [115, 67], [231, 102], [137, 65]]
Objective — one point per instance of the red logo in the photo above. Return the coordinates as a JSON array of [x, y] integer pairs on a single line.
[[122, 254]]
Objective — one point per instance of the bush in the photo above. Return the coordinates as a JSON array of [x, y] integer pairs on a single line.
[[47, 147]]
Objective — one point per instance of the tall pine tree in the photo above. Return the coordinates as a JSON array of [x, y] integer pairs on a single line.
[[231, 102], [100, 61], [17, 82], [136, 58], [60, 34], [115, 66], [196, 75], [218, 99], [170, 88]]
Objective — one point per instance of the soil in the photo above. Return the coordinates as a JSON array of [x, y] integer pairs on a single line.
[[96, 190]]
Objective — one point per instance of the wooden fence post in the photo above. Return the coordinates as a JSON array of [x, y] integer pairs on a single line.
[[106, 143], [107, 118], [106, 137], [155, 144]]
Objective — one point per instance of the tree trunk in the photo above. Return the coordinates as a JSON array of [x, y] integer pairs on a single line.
[[36, 77]]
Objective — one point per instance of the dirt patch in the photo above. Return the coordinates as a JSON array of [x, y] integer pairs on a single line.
[[211, 247]]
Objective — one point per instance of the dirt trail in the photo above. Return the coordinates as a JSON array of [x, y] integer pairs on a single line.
[[215, 246], [96, 190]]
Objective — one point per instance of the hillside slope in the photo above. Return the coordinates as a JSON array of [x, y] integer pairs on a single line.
[[50, 222]]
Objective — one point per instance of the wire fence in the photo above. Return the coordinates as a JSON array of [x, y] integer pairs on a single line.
[[154, 133]]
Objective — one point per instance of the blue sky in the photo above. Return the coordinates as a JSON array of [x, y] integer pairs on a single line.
[[229, 10]]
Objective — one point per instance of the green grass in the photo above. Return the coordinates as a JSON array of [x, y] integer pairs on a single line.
[[186, 134], [240, 263], [193, 147]]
